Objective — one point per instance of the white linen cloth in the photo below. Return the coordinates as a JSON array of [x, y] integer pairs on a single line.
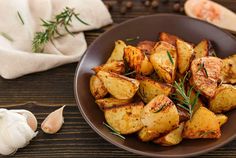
[[17, 58]]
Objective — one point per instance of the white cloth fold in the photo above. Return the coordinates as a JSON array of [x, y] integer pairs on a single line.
[[17, 58]]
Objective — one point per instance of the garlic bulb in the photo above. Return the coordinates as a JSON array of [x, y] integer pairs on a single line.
[[53, 122], [15, 132]]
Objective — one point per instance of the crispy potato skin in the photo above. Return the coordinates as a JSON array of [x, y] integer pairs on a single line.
[[114, 66], [162, 63], [125, 119], [137, 60], [119, 86], [107, 103], [224, 99], [171, 39], [158, 122], [118, 52], [202, 49], [228, 72], [222, 119], [185, 55], [206, 83], [204, 124], [149, 89], [172, 138], [97, 88], [146, 46]]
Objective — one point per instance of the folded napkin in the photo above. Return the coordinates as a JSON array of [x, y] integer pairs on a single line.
[[16, 56]]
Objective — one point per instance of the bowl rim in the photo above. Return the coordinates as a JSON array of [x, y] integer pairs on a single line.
[[113, 141]]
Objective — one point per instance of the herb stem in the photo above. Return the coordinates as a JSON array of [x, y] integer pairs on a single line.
[[8, 37], [113, 131], [170, 58], [21, 19]]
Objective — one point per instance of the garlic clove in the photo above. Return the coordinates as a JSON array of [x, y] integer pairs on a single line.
[[30, 117], [53, 122]]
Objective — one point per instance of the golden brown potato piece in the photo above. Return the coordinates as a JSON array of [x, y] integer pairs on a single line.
[[149, 89], [224, 99], [228, 71], [204, 124], [164, 61], [146, 46], [114, 66], [202, 49], [125, 119], [118, 52], [138, 61], [172, 138], [222, 119], [185, 54], [159, 116], [97, 88], [119, 86], [171, 39], [106, 103], [205, 74]]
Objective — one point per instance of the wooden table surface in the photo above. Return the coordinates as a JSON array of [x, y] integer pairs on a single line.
[[43, 92]]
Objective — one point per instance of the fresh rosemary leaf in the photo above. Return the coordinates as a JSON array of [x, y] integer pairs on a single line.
[[119, 135], [182, 106], [21, 19], [129, 73], [171, 60], [132, 39], [200, 66], [205, 71], [161, 108], [8, 37], [113, 131]]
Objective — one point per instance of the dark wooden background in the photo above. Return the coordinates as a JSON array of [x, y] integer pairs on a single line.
[[43, 92]]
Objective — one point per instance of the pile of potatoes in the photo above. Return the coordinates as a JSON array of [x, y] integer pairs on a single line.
[[134, 88]]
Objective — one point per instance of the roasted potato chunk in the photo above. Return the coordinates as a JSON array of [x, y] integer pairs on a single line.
[[107, 103], [125, 119], [138, 61], [97, 88], [224, 99], [146, 46], [159, 116], [119, 86], [202, 49], [222, 119], [185, 54], [205, 74], [164, 61], [172, 138], [228, 71], [171, 39], [114, 66], [203, 124], [118, 52], [149, 89]]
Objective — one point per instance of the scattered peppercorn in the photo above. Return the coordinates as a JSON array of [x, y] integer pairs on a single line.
[[155, 4], [129, 4], [123, 10], [176, 7]]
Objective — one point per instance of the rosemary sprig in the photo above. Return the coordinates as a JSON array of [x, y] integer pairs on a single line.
[[8, 37], [132, 39], [113, 131], [161, 108], [202, 67], [21, 19], [171, 60], [129, 73], [63, 19]]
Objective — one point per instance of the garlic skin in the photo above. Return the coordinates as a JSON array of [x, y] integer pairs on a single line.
[[53, 122], [15, 132]]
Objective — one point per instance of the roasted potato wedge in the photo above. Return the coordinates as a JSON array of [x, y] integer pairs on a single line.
[[202, 49], [149, 89], [172, 138], [224, 99], [159, 116], [118, 52], [146, 46], [97, 88], [107, 103], [205, 75], [119, 86], [228, 71], [171, 39], [185, 54], [164, 61], [222, 119], [125, 119], [203, 124], [114, 66], [138, 61]]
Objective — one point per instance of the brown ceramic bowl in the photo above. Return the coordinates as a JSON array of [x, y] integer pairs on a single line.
[[147, 28]]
